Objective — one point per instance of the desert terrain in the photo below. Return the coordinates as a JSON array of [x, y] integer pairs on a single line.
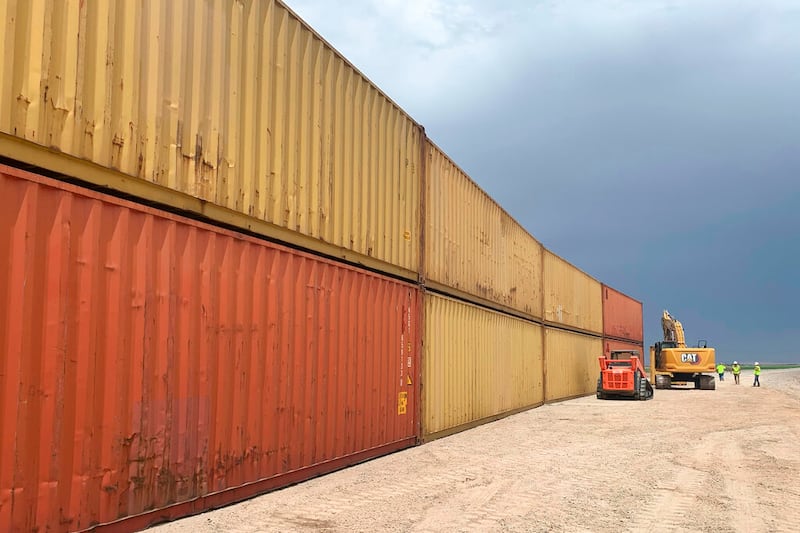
[[719, 461]]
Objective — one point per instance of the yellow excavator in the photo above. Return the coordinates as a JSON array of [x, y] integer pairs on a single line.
[[672, 363]]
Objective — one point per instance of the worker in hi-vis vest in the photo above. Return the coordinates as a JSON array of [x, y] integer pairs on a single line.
[[736, 369], [756, 373], [721, 371]]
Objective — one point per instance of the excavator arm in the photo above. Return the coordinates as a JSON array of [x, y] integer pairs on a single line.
[[673, 330]]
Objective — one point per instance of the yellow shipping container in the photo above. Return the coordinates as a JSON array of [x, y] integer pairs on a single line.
[[239, 106], [478, 365], [572, 298], [570, 362], [473, 248]]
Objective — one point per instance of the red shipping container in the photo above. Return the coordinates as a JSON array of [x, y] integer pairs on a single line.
[[622, 316], [610, 345], [152, 366]]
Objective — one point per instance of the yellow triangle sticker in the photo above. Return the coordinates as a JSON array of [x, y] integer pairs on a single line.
[[408, 379]]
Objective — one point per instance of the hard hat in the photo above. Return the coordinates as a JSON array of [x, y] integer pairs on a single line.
[[756, 362], [735, 363]]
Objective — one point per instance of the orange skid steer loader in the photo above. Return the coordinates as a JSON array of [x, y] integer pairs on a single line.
[[622, 375]]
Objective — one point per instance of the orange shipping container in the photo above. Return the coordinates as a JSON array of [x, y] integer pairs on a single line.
[[622, 316], [151, 365]]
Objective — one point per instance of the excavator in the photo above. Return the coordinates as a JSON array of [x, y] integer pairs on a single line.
[[672, 363]]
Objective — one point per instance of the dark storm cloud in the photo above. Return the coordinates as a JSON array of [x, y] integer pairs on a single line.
[[669, 168]]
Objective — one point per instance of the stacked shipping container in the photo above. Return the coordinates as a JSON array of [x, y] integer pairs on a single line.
[[155, 366], [483, 352], [237, 110], [622, 323], [150, 360]]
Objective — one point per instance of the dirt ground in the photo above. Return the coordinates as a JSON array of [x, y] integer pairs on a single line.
[[724, 460]]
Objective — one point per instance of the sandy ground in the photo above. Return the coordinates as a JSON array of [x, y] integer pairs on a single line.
[[724, 460]]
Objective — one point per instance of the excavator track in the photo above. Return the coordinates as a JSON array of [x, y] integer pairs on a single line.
[[707, 383]]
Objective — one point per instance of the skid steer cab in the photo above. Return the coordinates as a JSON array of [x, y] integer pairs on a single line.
[[622, 375]]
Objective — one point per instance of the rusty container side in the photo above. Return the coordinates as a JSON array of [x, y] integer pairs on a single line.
[[612, 344], [473, 248], [572, 298], [478, 364], [150, 362], [571, 366], [622, 316], [240, 105]]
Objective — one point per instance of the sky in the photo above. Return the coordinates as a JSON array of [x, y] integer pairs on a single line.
[[654, 144]]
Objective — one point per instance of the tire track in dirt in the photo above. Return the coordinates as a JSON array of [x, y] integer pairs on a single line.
[[674, 505], [674, 502], [737, 485], [769, 456]]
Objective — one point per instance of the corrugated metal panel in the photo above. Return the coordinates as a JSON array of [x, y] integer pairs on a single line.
[[571, 297], [622, 315], [612, 344], [571, 366], [236, 103], [147, 360], [474, 246], [477, 364]]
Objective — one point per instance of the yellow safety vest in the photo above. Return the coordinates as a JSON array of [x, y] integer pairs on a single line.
[[736, 369], [757, 370], [720, 368]]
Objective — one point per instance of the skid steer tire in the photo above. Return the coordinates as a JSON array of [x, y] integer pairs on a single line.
[[642, 387], [638, 383]]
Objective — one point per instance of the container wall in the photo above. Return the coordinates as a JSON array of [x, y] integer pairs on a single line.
[[147, 360], [571, 366], [473, 246], [610, 344], [239, 104], [572, 298], [622, 316], [477, 364]]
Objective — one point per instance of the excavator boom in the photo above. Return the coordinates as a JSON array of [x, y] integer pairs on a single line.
[[673, 330]]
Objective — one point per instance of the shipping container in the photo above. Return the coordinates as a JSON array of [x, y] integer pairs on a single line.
[[235, 110], [572, 298], [479, 364], [473, 248], [622, 316], [611, 344], [570, 364], [152, 366]]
